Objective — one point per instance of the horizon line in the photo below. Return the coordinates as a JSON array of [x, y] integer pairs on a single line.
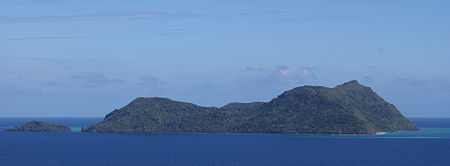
[[431, 117]]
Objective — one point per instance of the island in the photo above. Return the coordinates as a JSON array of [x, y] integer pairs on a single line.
[[40, 126], [350, 108]]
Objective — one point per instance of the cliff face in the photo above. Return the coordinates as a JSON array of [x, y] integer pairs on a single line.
[[40, 126], [350, 108]]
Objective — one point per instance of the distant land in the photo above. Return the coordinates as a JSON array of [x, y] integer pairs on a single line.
[[350, 108], [40, 126]]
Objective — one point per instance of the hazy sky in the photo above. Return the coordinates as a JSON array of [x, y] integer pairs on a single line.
[[75, 58]]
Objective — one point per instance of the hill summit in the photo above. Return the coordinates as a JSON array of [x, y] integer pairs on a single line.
[[350, 108]]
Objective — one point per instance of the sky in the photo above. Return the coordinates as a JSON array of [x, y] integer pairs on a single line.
[[85, 58]]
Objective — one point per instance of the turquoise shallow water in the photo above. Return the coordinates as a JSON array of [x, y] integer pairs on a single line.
[[422, 133], [429, 146]]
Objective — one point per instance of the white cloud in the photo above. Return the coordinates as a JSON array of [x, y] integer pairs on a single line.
[[93, 79], [288, 74], [280, 76], [149, 81]]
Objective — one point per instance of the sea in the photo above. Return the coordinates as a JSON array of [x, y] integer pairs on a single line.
[[428, 147]]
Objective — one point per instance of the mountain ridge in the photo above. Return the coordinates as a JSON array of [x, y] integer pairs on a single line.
[[349, 108]]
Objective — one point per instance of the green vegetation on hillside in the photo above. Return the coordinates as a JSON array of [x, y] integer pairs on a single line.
[[350, 108]]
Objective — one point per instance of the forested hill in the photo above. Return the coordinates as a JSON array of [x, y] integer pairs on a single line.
[[350, 108]]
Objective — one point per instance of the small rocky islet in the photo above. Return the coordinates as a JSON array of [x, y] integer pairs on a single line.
[[40, 126], [349, 108]]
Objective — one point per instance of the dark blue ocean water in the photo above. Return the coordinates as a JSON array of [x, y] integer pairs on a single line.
[[428, 147]]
